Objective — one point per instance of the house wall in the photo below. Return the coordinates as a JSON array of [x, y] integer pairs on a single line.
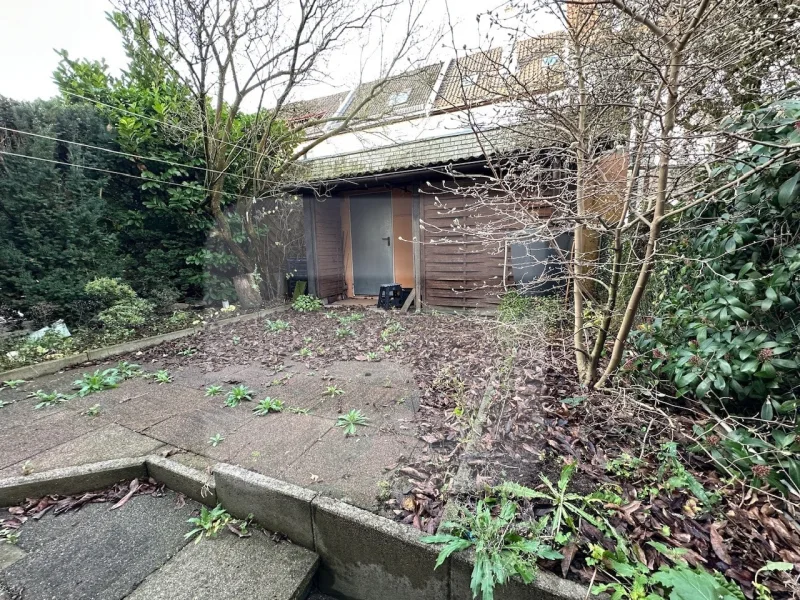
[[329, 248]]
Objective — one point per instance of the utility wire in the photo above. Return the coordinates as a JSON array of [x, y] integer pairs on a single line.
[[131, 176], [131, 155], [165, 123]]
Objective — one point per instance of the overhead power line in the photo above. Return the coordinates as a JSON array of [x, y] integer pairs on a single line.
[[119, 173], [164, 123], [132, 155]]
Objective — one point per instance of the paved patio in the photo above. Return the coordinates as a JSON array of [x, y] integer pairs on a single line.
[[142, 417]]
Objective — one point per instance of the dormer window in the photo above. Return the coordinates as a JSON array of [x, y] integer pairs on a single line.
[[469, 80], [397, 98], [549, 60]]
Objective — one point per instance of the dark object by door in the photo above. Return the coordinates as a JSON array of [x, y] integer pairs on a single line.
[[537, 266], [371, 234]]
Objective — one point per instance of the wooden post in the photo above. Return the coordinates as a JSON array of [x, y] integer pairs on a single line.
[[417, 239]]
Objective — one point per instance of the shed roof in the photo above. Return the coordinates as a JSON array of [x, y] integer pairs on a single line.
[[430, 152]]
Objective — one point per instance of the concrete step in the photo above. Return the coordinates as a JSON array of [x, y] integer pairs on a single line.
[[228, 568]]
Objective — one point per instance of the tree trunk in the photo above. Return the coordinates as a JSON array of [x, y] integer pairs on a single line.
[[247, 289]]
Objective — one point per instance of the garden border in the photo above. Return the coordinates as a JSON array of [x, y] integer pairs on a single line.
[[363, 556], [54, 366]]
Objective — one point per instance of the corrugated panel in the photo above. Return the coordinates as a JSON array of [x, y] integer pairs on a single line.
[[423, 153]]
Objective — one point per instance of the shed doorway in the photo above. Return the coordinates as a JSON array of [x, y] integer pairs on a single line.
[[371, 235]]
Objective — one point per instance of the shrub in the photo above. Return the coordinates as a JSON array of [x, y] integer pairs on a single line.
[[307, 304], [109, 291], [162, 298], [726, 322], [514, 307], [126, 315]]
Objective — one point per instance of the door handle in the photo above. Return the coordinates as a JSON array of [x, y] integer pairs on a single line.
[[388, 240]]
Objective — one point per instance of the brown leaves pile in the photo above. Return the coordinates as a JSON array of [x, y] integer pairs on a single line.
[[119, 494]]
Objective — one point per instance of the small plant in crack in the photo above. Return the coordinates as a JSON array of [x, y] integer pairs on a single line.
[[216, 439], [333, 391], [208, 523], [51, 399], [305, 353], [128, 370], [13, 384], [296, 410], [94, 410], [236, 339], [239, 394], [268, 405], [162, 376], [97, 382], [351, 420], [373, 357], [343, 332], [213, 390], [276, 326], [9, 536]]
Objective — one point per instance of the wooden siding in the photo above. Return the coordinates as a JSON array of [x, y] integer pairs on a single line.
[[329, 248], [458, 270]]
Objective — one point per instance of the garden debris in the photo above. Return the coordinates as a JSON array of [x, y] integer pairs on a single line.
[[36, 508]]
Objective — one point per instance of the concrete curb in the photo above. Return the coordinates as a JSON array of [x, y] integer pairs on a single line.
[[70, 480], [54, 366], [276, 505], [363, 556], [190, 482]]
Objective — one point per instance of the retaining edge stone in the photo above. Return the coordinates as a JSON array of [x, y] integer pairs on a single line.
[[366, 556], [190, 482], [54, 366], [70, 480], [277, 505]]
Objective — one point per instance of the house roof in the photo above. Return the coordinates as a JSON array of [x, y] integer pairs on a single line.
[[470, 79], [302, 111], [405, 94], [431, 152]]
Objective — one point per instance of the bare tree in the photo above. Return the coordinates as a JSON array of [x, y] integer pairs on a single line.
[[616, 116], [243, 61]]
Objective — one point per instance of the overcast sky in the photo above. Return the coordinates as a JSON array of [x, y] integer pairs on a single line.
[[30, 30]]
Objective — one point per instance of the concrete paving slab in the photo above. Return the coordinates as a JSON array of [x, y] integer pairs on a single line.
[[192, 430], [107, 443], [29, 439], [350, 468], [9, 554], [269, 444], [387, 409], [372, 373], [253, 568], [97, 554], [22, 412], [127, 390], [198, 377]]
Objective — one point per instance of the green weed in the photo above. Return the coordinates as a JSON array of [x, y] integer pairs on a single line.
[[239, 394], [268, 405], [349, 421]]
